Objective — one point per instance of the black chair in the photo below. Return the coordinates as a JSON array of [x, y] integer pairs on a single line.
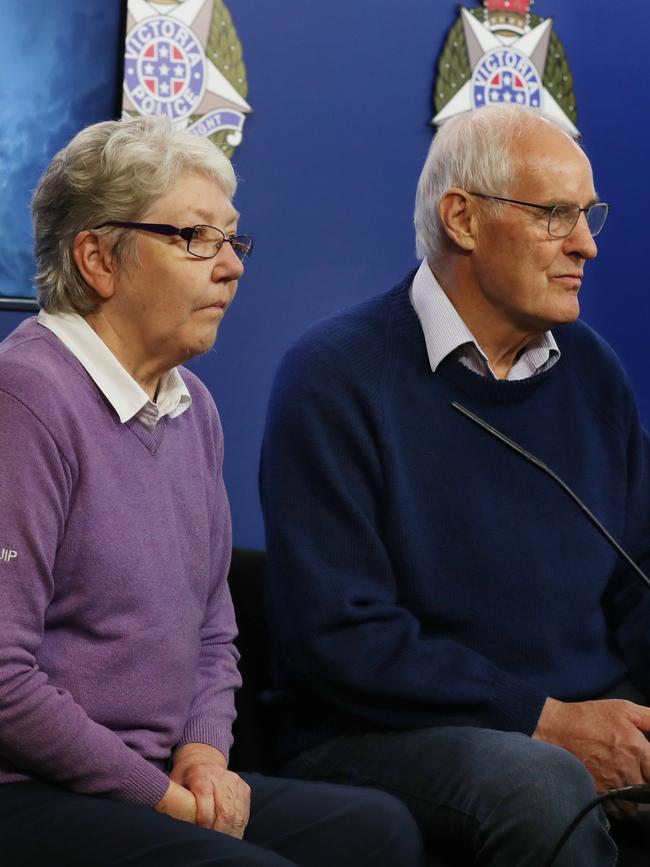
[[254, 732], [253, 749]]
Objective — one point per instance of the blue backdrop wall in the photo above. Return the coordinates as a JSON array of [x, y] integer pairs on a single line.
[[341, 97]]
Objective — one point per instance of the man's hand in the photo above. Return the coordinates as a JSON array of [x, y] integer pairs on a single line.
[[222, 798], [607, 736]]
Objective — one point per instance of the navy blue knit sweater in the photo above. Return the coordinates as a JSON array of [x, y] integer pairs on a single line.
[[422, 574]]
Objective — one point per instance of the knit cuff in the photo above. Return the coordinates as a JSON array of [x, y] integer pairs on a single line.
[[517, 705], [199, 730], [145, 785]]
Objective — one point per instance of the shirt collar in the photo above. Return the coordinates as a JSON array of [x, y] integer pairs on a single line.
[[445, 331], [125, 395]]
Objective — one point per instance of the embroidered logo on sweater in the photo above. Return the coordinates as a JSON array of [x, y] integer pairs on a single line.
[[183, 61], [500, 52], [7, 555]]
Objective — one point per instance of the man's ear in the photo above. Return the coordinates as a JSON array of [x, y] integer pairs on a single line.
[[93, 255], [458, 218]]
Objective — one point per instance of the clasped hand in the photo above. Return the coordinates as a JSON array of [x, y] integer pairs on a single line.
[[202, 790], [608, 736]]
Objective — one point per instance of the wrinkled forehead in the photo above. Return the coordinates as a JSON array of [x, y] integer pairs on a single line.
[[195, 198]]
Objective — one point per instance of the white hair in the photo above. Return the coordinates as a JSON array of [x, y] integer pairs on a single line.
[[471, 151], [114, 170]]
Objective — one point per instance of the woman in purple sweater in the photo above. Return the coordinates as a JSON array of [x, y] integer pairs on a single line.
[[117, 664]]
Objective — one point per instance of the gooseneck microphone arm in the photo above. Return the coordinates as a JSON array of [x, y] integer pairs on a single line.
[[637, 794], [549, 472]]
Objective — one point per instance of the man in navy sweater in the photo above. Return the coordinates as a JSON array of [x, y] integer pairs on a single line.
[[448, 625]]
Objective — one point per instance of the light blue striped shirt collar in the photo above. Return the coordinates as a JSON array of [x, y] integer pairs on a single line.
[[445, 332]]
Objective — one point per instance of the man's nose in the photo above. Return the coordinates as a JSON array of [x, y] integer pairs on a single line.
[[580, 240]]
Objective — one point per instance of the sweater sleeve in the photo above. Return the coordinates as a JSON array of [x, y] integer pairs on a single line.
[[44, 732], [339, 614], [212, 711]]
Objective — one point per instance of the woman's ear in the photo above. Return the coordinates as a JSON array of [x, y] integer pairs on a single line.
[[93, 255]]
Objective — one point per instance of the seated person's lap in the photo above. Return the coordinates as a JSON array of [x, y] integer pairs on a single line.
[[292, 822], [461, 783]]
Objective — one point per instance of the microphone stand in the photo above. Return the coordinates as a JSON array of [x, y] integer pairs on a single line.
[[549, 472], [638, 794]]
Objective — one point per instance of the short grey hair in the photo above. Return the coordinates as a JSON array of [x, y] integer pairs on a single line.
[[471, 151], [114, 170]]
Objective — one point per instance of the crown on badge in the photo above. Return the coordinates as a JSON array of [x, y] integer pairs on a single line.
[[513, 12], [519, 6]]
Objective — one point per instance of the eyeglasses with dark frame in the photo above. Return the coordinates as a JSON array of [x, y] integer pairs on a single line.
[[562, 219], [204, 242]]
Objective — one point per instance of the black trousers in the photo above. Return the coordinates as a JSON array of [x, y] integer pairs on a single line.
[[292, 823]]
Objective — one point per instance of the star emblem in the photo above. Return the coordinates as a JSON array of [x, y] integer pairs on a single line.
[[196, 15], [481, 42]]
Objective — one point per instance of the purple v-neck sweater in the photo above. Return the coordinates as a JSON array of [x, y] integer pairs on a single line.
[[116, 623]]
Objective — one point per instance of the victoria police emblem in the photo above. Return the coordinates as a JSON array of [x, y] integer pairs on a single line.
[[501, 52], [183, 60]]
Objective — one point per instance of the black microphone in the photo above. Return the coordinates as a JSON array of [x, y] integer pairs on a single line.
[[638, 794]]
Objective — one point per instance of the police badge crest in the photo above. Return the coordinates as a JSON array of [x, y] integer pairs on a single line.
[[183, 60], [501, 52]]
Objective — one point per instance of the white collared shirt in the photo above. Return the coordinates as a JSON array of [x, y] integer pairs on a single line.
[[125, 395], [445, 332]]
